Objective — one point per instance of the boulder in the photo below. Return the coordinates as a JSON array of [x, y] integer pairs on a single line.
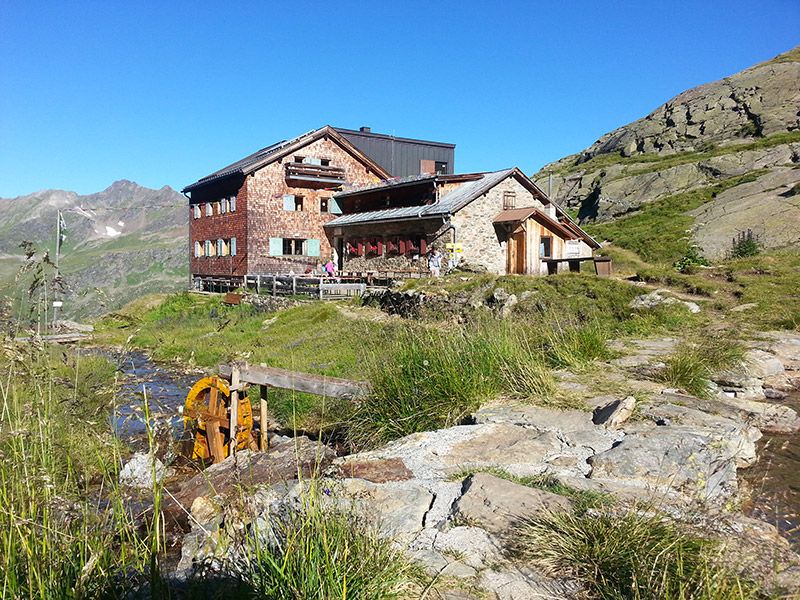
[[761, 364], [376, 471], [698, 463], [495, 504], [142, 471], [614, 413]]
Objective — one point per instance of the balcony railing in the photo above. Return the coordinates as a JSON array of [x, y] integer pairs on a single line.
[[315, 174]]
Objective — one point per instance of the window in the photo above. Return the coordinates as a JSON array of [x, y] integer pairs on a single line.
[[220, 247], [233, 246], [232, 204], [509, 200], [293, 247], [223, 206], [198, 250], [441, 167], [546, 247], [293, 203], [209, 209], [324, 205], [197, 212], [207, 248], [325, 162], [299, 159]]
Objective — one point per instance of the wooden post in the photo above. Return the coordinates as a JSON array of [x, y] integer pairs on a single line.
[[274, 285], [264, 419], [294, 285], [258, 284], [234, 423], [320, 288]]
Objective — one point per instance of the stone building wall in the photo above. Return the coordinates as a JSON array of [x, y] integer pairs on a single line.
[[225, 226], [484, 245], [268, 219]]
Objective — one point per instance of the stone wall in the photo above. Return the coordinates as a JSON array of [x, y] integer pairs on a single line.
[[484, 245], [268, 219]]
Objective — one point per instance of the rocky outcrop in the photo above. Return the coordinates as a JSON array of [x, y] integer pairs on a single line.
[[746, 122]]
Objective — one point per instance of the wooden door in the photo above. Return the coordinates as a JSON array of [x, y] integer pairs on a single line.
[[516, 258]]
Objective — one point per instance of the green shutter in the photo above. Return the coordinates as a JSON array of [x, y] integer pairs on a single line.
[[334, 206], [275, 246], [312, 247], [288, 202]]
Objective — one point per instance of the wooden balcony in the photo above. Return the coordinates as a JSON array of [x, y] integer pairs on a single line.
[[305, 175]]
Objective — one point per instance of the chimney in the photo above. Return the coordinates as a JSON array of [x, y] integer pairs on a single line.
[[365, 129]]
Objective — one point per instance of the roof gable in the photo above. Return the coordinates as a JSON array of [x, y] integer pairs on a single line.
[[270, 154]]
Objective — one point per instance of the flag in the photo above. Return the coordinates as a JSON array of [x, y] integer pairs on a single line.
[[62, 228]]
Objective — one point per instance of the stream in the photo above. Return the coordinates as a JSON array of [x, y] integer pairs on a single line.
[[774, 480]]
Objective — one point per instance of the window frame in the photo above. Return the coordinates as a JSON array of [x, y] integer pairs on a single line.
[[509, 200], [549, 239], [232, 246], [197, 212], [327, 206], [209, 211], [293, 246]]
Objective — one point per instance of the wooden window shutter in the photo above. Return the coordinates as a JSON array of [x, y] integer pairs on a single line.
[[427, 166], [312, 247], [276, 246], [288, 202], [233, 246], [334, 207]]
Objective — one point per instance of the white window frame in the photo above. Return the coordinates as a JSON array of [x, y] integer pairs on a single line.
[[196, 211], [207, 248], [209, 209], [198, 250], [233, 246], [232, 204]]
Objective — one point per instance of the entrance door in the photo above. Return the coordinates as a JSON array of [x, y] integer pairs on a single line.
[[516, 262]]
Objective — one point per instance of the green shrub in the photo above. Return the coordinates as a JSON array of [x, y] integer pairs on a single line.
[[629, 557]]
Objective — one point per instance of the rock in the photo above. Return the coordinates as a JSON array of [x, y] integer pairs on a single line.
[[508, 305], [472, 545], [699, 463], [282, 463], [773, 394], [495, 504], [446, 452], [744, 307], [204, 509], [741, 435], [614, 413], [67, 325], [522, 583], [768, 417], [376, 471], [142, 471], [654, 299], [761, 364], [500, 296]]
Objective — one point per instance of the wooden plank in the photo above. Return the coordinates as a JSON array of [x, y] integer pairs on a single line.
[[212, 427], [331, 387]]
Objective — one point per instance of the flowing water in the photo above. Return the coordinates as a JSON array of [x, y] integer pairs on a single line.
[[775, 480]]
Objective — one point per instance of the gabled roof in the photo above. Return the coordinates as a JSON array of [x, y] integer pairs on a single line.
[[515, 215], [267, 155], [476, 184]]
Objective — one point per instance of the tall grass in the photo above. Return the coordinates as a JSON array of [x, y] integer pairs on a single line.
[[320, 552], [693, 364], [56, 451], [629, 557]]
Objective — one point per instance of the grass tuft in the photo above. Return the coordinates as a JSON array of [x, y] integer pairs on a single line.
[[692, 365], [629, 557]]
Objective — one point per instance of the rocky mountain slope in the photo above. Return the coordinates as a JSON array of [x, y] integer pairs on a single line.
[[123, 242], [748, 123]]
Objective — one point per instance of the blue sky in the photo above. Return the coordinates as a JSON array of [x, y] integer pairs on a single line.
[[163, 93]]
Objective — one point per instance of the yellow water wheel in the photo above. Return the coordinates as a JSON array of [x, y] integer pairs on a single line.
[[206, 415]]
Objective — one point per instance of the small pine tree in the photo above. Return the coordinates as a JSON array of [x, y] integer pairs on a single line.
[[745, 243]]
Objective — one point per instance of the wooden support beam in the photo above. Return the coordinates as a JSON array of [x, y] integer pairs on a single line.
[[234, 423], [331, 387], [264, 419]]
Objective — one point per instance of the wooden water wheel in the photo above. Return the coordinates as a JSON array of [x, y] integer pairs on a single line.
[[206, 415]]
